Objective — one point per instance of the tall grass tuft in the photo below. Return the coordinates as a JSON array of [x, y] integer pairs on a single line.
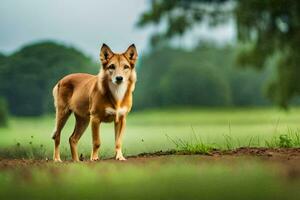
[[193, 146], [289, 140]]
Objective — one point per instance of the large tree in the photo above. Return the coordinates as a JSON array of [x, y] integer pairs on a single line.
[[28, 75], [268, 32]]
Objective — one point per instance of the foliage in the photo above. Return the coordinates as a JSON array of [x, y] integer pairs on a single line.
[[28, 75], [248, 86], [206, 76], [265, 29], [175, 77], [3, 113], [179, 16]]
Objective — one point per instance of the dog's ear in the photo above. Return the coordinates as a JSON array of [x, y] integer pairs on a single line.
[[131, 54], [105, 54]]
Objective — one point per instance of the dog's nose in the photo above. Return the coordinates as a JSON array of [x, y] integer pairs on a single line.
[[119, 79]]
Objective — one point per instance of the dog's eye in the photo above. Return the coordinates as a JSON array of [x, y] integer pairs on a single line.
[[112, 66], [126, 67]]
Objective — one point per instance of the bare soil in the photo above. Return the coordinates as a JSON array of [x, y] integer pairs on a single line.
[[286, 157]]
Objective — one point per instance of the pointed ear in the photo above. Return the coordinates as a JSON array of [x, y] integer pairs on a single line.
[[131, 54], [105, 54]]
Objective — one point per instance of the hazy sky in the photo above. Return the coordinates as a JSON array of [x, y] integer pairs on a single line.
[[84, 24]]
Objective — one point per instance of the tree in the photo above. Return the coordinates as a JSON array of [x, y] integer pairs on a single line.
[[28, 76], [266, 29], [23, 86]]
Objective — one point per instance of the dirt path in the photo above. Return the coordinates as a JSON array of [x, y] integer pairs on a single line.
[[284, 156]]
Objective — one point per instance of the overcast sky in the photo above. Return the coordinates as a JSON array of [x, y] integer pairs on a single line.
[[84, 24]]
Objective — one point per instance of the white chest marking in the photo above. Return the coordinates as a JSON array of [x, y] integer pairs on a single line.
[[118, 91], [111, 111]]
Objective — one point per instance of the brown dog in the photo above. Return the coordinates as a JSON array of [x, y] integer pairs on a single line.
[[105, 97]]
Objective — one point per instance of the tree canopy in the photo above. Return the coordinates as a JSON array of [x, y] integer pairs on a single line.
[[266, 30], [28, 75]]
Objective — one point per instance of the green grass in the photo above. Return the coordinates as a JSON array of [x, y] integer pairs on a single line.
[[176, 178], [288, 140], [190, 129]]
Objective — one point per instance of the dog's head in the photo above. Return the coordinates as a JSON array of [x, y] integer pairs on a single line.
[[118, 68]]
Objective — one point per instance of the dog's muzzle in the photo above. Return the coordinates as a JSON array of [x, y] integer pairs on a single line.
[[119, 79]]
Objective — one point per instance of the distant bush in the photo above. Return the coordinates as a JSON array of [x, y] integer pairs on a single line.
[[3, 113]]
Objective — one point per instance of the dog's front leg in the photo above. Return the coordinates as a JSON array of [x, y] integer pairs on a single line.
[[95, 124], [119, 131]]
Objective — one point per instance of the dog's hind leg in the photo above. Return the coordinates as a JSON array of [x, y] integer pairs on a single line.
[[62, 115], [80, 126], [61, 119]]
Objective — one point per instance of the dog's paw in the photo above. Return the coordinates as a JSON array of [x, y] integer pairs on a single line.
[[120, 157], [95, 159], [57, 160]]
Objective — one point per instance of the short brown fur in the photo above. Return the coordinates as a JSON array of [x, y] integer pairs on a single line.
[[95, 99]]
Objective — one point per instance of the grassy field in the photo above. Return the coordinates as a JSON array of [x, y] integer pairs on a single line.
[[166, 178], [156, 129], [157, 177]]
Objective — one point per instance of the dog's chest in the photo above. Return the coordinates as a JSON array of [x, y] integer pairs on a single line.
[[110, 113], [118, 91]]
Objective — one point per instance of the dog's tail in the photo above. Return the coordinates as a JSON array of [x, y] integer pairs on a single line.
[[55, 98], [55, 94]]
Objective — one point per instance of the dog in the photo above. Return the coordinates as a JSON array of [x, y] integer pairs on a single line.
[[106, 97]]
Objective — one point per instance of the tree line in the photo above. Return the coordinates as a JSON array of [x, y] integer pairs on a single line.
[[206, 76]]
